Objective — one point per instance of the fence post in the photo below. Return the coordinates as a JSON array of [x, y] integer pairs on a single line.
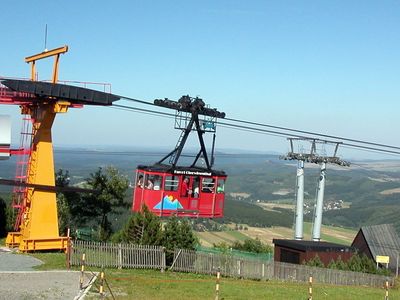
[[387, 290], [239, 267], [310, 280], [101, 289], [263, 271], [82, 271], [163, 260], [119, 256], [217, 284], [68, 251], [210, 263]]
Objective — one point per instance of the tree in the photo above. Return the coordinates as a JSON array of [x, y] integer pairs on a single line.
[[143, 228], [355, 263], [368, 264], [315, 262], [7, 217], [64, 201], [332, 265], [109, 188], [178, 234], [3, 218], [64, 216], [340, 264]]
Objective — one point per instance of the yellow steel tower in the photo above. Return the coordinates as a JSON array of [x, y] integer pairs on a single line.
[[38, 227]]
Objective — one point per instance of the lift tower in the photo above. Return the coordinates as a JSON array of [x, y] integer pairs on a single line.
[[37, 219], [312, 157]]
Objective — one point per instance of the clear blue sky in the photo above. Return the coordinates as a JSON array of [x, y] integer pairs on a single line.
[[326, 66]]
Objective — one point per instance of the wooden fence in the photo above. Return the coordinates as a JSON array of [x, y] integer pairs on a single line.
[[230, 266], [293, 272], [153, 257], [117, 255]]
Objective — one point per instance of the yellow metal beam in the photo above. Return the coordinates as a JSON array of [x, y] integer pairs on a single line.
[[45, 54], [53, 52]]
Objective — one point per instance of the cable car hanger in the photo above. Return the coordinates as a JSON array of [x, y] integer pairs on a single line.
[[194, 107]]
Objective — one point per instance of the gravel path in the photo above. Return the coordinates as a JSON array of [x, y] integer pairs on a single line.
[[19, 281], [17, 262]]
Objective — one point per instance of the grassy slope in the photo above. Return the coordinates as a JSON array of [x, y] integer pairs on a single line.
[[149, 284], [143, 284]]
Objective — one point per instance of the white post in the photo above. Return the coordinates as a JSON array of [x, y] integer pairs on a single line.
[[316, 236], [119, 256], [5, 136], [298, 235]]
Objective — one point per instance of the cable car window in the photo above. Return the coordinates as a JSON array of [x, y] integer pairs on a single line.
[[171, 183], [185, 191], [140, 180], [196, 187], [221, 186], [207, 185], [154, 182], [149, 182]]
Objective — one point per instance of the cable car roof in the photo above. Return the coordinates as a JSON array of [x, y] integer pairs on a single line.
[[181, 170]]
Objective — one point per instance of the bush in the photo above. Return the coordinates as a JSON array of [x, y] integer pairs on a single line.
[[315, 262], [252, 245], [3, 218], [356, 263]]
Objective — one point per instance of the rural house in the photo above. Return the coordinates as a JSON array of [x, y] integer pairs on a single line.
[[378, 240]]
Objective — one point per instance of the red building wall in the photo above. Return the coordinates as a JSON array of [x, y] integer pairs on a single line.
[[325, 257]]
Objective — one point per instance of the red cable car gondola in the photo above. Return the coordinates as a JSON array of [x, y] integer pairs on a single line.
[[185, 191]]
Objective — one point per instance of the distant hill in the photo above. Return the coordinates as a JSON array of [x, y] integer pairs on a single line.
[[370, 188]]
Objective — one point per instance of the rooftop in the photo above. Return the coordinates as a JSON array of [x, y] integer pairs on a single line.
[[302, 245], [382, 240]]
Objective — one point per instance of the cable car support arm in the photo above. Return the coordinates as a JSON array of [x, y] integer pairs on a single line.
[[194, 107]]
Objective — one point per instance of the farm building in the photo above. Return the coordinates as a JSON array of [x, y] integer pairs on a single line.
[[381, 240], [297, 251]]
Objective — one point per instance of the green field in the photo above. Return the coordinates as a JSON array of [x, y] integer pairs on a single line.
[[332, 234], [152, 284], [146, 284], [209, 238]]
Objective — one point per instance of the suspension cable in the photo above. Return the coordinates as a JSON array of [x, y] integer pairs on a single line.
[[287, 132], [313, 133]]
